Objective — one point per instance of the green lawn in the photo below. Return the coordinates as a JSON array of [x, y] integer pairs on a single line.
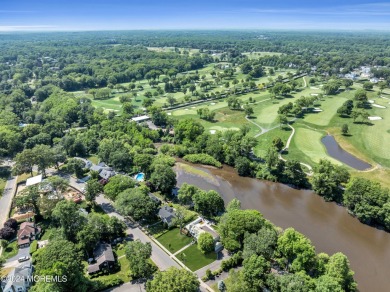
[[306, 146], [329, 110], [11, 250], [173, 240], [265, 141], [195, 259], [94, 159]]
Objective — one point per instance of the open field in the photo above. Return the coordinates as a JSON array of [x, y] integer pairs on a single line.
[[194, 259], [173, 240], [256, 55]]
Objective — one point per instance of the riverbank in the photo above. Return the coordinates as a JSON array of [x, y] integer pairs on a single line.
[[329, 226]]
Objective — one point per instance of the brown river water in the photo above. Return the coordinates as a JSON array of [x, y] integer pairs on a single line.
[[329, 226]]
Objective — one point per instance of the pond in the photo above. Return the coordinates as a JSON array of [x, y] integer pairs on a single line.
[[334, 150], [329, 226]]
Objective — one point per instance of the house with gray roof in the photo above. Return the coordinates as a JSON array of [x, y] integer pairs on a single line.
[[18, 280], [103, 259], [167, 215]]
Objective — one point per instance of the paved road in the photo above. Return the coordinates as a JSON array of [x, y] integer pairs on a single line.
[[159, 257], [6, 199]]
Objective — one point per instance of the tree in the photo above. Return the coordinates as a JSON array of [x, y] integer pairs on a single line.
[[295, 251], [248, 110], [344, 129], [180, 213], [11, 223], [128, 108], [235, 223], [171, 100], [7, 233], [255, 270], [138, 253], [93, 188], [43, 157], [327, 178], [61, 258], [261, 243], [118, 184], [76, 166], [24, 162], [208, 203], [331, 87], [282, 120], [243, 166], [347, 83], [360, 97], [163, 178], [186, 193], [67, 214], [205, 242], [234, 204], [173, 280], [326, 283], [278, 143], [338, 269], [188, 129], [368, 85], [136, 203]]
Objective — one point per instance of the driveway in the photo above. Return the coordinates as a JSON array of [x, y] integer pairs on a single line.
[[13, 262]]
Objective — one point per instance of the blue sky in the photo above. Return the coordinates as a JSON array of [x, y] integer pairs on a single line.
[[199, 14]]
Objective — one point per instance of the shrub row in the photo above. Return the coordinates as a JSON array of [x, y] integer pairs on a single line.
[[202, 159]]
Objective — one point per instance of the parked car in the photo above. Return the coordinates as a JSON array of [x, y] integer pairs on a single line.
[[23, 259]]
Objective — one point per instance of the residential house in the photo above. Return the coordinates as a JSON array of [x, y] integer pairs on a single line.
[[27, 233], [18, 280], [104, 259], [167, 215], [199, 226]]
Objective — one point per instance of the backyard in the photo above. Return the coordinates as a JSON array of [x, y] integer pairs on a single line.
[[173, 240]]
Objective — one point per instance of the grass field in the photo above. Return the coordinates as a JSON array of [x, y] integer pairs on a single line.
[[173, 240], [195, 259], [11, 250], [306, 146], [265, 140]]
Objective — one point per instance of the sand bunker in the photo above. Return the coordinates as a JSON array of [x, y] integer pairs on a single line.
[[314, 94], [371, 101], [377, 105], [193, 107], [317, 109], [169, 114], [374, 118], [212, 103], [213, 131], [314, 88], [186, 109]]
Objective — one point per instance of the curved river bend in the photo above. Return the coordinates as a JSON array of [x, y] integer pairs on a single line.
[[329, 226]]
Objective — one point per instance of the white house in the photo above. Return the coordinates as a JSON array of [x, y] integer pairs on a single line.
[[199, 226], [18, 280]]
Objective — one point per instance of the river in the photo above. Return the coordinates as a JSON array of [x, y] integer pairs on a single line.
[[329, 226]]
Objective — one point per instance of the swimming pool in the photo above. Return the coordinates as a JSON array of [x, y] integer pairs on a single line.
[[140, 176]]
